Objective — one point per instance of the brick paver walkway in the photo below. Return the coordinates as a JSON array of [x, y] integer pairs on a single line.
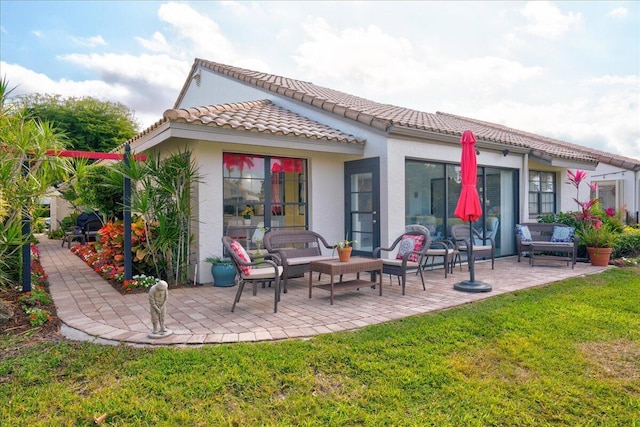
[[91, 309]]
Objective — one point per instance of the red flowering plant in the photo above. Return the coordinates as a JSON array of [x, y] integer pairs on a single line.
[[107, 256], [596, 228], [38, 275]]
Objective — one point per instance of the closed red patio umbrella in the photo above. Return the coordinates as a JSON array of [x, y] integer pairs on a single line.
[[468, 207]]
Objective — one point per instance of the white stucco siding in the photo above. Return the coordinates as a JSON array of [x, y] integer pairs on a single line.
[[216, 89], [326, 196]]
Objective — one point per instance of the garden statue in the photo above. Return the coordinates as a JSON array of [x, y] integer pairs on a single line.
[[158, 295]]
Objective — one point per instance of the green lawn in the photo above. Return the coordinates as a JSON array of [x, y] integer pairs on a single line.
[[565, 354]]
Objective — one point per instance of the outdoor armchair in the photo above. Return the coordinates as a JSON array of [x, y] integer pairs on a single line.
[[266, 269], [71, 233], [439, 248], [485, 247], [412, 246]]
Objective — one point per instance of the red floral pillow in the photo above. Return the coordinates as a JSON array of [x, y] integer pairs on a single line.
[[410, 242], [243, 255]]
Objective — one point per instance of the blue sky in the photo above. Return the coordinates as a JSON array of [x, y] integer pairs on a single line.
[[567, 70]]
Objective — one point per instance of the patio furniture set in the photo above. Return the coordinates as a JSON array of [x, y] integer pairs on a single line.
[[292, 253], [83, 231]]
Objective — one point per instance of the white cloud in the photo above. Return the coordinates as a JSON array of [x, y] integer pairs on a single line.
[[157, 43], [546, 20], [371, 63], [197, 35], [89, 41], [27, 81], [160, 70], [618, 12], [632, 81], [603, 119], [365, 56]]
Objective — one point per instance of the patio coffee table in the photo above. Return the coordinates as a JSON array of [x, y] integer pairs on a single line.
[[354, 265], [565, 249]]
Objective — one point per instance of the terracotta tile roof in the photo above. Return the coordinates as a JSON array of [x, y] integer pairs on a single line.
[[254, 116], [552, 146], [260, 116], [385, 116]]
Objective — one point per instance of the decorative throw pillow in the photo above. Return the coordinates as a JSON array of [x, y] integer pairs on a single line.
[[243, 255], [524, 233], [410, 243], [562, 234]]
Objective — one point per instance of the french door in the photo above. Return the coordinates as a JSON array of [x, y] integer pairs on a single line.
[[362, 204]]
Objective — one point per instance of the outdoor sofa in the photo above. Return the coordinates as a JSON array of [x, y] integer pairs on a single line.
[[554, 240], [296, 249]]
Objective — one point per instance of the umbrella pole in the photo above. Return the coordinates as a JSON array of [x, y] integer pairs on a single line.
[[471, 257], [471, 285]]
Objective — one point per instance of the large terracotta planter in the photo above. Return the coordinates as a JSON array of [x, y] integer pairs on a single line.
[[345, 254], [599, 256]]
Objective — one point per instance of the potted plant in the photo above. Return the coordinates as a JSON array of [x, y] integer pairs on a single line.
[[247, 213], [344, 248], [599, 239], [222, 270]]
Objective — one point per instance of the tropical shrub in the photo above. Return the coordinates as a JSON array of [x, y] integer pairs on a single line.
[[628, 243], [566, 218], [162, 194]]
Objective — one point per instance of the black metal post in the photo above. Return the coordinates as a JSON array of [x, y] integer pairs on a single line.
[[26, 234], [26, 254], [127, 216]]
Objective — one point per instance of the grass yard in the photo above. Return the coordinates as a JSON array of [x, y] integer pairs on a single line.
[[565, 354]]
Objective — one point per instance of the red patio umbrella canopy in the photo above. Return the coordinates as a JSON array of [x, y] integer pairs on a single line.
[[468, 207]]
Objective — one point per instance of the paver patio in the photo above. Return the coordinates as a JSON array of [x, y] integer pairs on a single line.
[[90, 309]]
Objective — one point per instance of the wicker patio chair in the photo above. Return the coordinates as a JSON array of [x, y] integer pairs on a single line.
[[461, 237], [412, 246], [267, 269]]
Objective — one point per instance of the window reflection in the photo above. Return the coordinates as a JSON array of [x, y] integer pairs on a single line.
[[263, 191]]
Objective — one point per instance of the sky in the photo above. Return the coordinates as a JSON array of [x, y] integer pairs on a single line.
[[568, 70]]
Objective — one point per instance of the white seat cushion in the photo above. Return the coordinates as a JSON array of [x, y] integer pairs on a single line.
[[398, 262], [262, 273], [440, 252], [307, 259]]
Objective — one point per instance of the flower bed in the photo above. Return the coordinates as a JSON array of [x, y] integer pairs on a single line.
[[110, 270], [35, 303]]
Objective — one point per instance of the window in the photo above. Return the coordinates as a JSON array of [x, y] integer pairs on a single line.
[[263, 191], [432, 191], [608, 192], [542, 193]]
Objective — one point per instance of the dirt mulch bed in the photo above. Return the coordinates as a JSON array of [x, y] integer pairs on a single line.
[[19, 326]]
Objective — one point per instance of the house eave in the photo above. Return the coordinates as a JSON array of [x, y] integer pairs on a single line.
[[451, 138], [198, 132], [562, 162]]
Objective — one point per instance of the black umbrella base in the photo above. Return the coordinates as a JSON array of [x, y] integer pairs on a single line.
[[469, 286]]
